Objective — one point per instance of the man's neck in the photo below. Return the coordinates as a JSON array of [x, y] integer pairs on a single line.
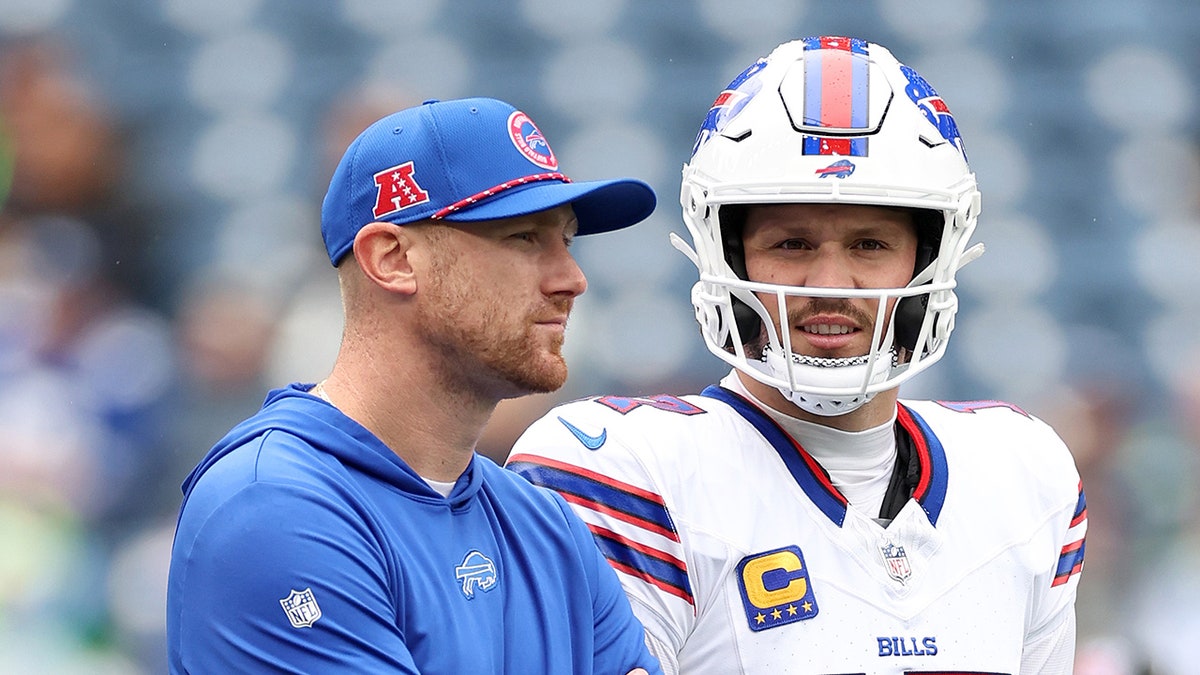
[[429, 425]]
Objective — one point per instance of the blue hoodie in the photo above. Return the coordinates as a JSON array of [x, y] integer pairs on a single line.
[[304, 544]]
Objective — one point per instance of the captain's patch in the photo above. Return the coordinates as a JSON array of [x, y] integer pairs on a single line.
[[775, 588]]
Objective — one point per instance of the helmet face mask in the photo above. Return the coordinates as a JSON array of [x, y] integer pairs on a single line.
[[829, 121]]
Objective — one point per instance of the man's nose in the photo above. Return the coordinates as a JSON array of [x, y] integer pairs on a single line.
[[565, 276], [828, 268]]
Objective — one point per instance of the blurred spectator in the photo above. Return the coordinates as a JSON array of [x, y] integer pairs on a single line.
[[69, 161], [350, 112], [84, 368], [65, 145], [224, 329], [1093, 418], [1165, 596]]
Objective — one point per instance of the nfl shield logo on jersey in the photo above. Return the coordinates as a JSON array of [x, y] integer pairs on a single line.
[[301, 607], [896, 562]]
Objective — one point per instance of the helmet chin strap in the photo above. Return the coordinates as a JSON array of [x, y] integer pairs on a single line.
[[845, 373]]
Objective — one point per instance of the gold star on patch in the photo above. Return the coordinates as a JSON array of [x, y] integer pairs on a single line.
[[776, 614], [760, 618], [807, 606], [791, 610]]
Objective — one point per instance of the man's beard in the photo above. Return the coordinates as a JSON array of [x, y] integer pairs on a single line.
[[485, 344], [524, 363]]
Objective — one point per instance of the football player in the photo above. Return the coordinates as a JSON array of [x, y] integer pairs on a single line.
[[800, 517]]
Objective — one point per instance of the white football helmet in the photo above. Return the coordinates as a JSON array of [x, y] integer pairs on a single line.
[[829, 120]]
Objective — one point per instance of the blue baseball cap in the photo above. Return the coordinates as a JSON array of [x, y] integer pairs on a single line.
[[464, 160]]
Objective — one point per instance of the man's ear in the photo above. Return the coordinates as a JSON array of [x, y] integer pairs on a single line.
[[382, 252]]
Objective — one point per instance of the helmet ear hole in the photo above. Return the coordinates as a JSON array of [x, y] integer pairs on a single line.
[[929, 225], [733, 221], [910, 312], [749, 323]]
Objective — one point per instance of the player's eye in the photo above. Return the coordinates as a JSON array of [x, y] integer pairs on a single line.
[[792, 244]]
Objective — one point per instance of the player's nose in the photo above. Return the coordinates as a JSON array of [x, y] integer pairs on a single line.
[[828, 268], [563, 274]]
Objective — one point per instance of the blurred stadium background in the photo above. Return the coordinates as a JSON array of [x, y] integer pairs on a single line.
[[161, 264]]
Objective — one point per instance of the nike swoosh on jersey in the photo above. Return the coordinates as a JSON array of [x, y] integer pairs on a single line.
[[589, 441]]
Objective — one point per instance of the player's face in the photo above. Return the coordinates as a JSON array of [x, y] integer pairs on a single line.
[[829, 246], [497, 302]]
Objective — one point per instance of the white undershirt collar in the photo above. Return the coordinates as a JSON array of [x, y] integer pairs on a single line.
[[859, 463]]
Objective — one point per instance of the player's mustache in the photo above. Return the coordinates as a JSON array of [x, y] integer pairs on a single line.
[[556, 307], [816, 306]]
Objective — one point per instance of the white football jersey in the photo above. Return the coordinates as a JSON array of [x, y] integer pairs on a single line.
[[740, 556]]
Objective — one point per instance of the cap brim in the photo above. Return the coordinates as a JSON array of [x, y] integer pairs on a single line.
[[600, 206]]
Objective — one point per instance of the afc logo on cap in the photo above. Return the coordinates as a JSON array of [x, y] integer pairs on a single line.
[[397, 190]]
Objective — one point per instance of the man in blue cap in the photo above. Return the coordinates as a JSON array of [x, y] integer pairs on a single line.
[[349, 526]]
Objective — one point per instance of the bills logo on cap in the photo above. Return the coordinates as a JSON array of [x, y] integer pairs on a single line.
[[528, 138], [397, 190]]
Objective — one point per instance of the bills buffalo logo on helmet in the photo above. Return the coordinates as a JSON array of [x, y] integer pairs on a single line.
[[839, 169]]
